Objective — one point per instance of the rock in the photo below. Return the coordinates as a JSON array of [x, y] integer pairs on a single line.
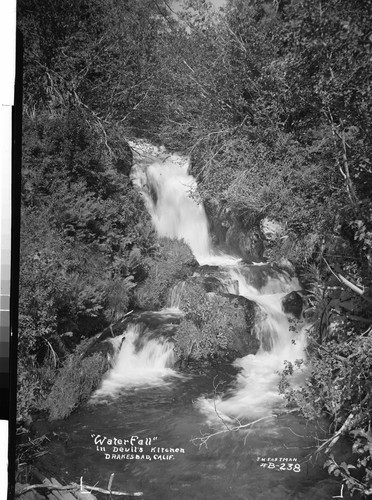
[[257, 276], [272, 229], [285, 265], [217, 226], [211, 279], [212, 284], [232, 235], [292, 303], [247, 243], [251, 309], [224, 335]]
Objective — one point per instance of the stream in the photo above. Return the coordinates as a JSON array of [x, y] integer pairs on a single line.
[[151, 424]]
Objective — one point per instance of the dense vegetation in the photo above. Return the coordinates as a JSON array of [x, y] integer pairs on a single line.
[[272, 100]]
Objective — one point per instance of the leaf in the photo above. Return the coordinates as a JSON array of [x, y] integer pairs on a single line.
[[344, 466], [332, 468]]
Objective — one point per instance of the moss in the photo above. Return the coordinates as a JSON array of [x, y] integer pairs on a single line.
[[214, 328], [173, 262]]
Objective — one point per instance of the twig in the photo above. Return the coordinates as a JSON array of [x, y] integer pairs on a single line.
[[341, 495], [52, 351], [215, 387], [297, 447], [204, 439], [109, 486], [124, 493], [293, 432]]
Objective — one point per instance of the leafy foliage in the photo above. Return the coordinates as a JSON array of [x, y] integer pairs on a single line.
[[172, 262], [213, 326], [338, 381], [74, 383]]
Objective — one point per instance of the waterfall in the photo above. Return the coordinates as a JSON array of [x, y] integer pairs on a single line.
[[171, 198], [137, 363], [168, 191]]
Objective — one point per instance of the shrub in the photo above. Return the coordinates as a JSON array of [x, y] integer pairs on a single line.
[[74, 384], [172, 262], [339, 385], [28, 392]]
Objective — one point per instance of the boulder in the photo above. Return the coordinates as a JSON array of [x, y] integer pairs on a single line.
[[232, 234], [292, 303], [248, 243]]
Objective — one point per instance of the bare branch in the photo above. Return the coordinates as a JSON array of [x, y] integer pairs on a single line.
[[348, 283], [215, 387], [203, 440], [333, 440]]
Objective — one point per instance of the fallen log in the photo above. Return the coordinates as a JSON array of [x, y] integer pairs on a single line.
[[77, 488]]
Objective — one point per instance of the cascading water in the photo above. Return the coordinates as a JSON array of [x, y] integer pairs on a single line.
[[167, 187], [170, 194], [176, 296], [135, 366], [256, 392]]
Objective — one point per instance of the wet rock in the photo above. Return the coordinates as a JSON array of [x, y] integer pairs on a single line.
[[217, 226], [251, 309], [257, 276], [211, 279], [246, 242], [223, 335], [285, 265], [244, 342], [232, 234], [212, 284], [293, 304]]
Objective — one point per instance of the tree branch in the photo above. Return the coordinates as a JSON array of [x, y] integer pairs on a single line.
[[349, 284], [76, 487], [203, 440]]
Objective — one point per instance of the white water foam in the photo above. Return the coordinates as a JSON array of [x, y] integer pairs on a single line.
[[168, 192], [133, 368]]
